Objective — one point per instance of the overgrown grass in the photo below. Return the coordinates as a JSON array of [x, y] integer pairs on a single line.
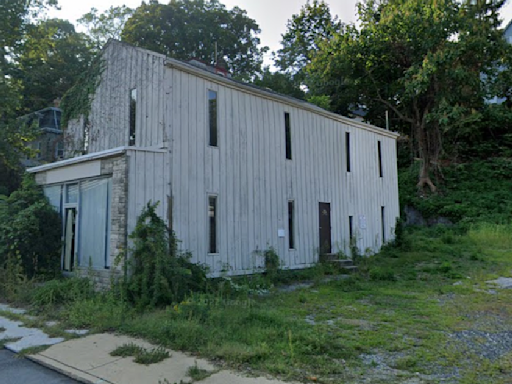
[[402, 302]]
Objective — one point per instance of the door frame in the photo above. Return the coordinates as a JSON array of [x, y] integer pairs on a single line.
[[322, 247]]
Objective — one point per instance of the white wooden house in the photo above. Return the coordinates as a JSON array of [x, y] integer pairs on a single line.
[[236, 169]]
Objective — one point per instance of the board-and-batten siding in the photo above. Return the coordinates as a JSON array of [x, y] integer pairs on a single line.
[[248, 171], [124, 68], [253, 180]]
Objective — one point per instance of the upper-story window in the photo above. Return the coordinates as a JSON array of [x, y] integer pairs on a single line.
[[379, 152], [133, 115], [212, 119], [288, 135], [347, 150]]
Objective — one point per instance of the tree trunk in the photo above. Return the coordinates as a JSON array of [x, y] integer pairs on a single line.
[[428, 153]]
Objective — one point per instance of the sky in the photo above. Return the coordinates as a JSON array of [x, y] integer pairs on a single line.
[[271, 15]]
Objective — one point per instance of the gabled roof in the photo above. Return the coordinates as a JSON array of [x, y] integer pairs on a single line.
[[253, 89]]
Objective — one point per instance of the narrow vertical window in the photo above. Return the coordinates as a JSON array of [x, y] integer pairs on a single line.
[[212, 219], [288, 134], [382, 217], [212, 118], [379, 150], [347, 149], [291, 225], [351, 227], [133, 115]]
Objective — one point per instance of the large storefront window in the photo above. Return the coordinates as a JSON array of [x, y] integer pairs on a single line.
[[85, 212]]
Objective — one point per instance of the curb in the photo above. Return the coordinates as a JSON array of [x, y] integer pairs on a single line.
[[63, 369]]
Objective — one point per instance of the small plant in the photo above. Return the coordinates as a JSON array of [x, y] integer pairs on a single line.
[[198, 374], [272, 263], [127, 350], [142, 355], [153, 356]]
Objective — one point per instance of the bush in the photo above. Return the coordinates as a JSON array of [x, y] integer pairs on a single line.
[[157, 273], [64, 291], [30, 228]]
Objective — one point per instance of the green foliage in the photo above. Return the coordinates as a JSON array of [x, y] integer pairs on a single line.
[[187, 29], [53, 56], [157, 273], [107, 25], [142, 355], [313, 24], [272, 263], [322, 101], [472, 192], [420, 60], [279, 82], [64, 291], [30, 229], [198, 374], [77, 100]]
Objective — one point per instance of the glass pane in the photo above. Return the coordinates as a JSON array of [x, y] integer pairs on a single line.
[[53, 193], [72, 193], [212, 112], [93, 228]]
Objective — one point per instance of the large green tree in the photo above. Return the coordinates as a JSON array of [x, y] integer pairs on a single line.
[[428, 62], [305, 30], [15, 18], [49, 62], [107, 25], [186, 29]]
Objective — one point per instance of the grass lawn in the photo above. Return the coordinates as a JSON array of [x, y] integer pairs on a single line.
[[422, 311]]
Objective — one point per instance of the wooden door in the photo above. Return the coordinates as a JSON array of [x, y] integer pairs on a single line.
[[325, 227]]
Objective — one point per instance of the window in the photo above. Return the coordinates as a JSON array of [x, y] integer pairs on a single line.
[[288, 134], [212, 118], [212, 220], [133, 115], [379, 150], [59, 150], [38, 148], [291, 226], [347, 149], [94, 217], [382, 217], [351, 227]]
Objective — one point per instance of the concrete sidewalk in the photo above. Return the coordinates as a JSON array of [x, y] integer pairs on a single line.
[[88, 360]]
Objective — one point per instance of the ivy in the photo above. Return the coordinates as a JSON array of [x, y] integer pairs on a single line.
[[77, 100]]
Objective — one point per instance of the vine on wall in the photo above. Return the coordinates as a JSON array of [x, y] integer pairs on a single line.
[[77, 100]]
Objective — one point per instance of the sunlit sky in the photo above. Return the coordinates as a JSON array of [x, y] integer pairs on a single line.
[[271, 15]]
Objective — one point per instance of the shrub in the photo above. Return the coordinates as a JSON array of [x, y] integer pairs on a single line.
[[30, 228], [64, 291], [272, 263], [157, 273]]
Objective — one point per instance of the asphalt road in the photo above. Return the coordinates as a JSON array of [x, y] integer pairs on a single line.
[[14, 370]]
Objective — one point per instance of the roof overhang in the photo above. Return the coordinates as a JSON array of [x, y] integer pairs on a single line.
[[172, 63]]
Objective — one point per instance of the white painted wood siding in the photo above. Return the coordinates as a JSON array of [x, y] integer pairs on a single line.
[[125, 68], [248, 171], [253, 180], [148, 180]]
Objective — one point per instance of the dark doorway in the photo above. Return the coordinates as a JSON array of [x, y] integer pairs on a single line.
[[325, 227], [69, 239]]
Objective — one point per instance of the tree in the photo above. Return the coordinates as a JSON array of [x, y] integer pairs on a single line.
[[187, 29], [305, 31], [428, 62], [51, 59], [107, 25], [279, 82], [30, 229], [14, 21]]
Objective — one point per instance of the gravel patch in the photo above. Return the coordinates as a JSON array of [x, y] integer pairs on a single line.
[[17, 311], [501, 282], [489, 345]]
